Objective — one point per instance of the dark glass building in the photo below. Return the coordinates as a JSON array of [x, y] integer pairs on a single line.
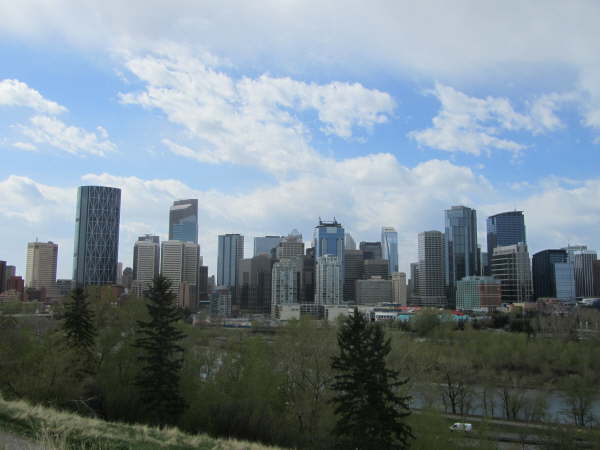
[[96, 235], [183, 221], [542, 268], [460, 247], [371, 250], [507, 228]]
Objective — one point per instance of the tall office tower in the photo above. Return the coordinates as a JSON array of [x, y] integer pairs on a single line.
[[353, 271], [290, 246], [374, 290], [376, 268], [413, 283], [154, 240], [286, 282], [542, 271], [2, 276], [507, 228], [399, 294], [231, 252], [171, 267], [146, 261], [596, 271], [307, 294], [11, 271], [510, 265], [96, 235], [583, 262], [460, 250], [431, 287], [192, 261], [254, 285], [484, 268], [40, 272], [349, 242], [119, 272], [564, 281], [203, 284], [264, 245], [329, 240], [571, 250], [183, 221], [328, 285], [371, 250], [389, 247]]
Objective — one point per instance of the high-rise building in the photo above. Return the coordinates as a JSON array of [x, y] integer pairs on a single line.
[[596, 272], [510, 265], [231, 252], [507, 228], [329, 240], [119, 272], [171, 267], [389, 246], [203, 284], [460, 250], [290, 246], [478, 293], [253, 291], [183, 221], [328, 284], [431, 287], [146, 262], [571, 250], [374, 290], [180, 263], [583, 262], [371, 250], [375, 268], [40, 272], [564, 281], [286, 282], [399, 294], [2, 276], [349, 242], [96, 235], [542, 271], [192, 261], [264, 245], [413, 282], [353, 271], [156, 259], [307, 294]]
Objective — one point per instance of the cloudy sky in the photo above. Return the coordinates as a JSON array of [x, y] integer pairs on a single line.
[[273, 113]]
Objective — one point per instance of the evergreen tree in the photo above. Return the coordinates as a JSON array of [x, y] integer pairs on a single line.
[[369, 410], [162, 356], [78, 323]]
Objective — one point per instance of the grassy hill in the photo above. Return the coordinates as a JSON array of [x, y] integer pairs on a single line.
[[57, 430]]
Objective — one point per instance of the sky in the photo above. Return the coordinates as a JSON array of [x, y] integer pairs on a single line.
[[275, 113]]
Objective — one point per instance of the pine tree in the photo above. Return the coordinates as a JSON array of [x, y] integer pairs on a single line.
[[162, 356], [369, 410], [78, 324]]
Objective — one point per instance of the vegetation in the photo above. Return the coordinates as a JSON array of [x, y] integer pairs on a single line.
[[366, 399]]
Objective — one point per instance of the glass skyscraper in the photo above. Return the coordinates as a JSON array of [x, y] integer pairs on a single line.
[[183, 221], [329, 239], [231, 252], [96, 235], [460, 249], [389, 245], [507, 228]]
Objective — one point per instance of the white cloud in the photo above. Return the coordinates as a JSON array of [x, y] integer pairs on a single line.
[[472, 125], [17, 93], [27, 146], [250, 121], [71, 139]]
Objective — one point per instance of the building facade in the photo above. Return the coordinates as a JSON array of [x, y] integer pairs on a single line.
[[371, 250], [431, 288], [375, 268], [328, 280], [96, 235], [507, 228], [542, 271], [510, 265], [353, 271], [171, 267], [290, 246], [399, 288], [349, 242], [373, 291], [460, 250], [265, 245], [253, 293], [183, 221], [564, 281], [146, 264], [583, 262], [329, 240], [389, 247], [231, 252], [40, 272], [476, 293], [286, 282]]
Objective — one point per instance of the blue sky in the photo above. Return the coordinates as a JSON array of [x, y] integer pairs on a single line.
[[275, 113]]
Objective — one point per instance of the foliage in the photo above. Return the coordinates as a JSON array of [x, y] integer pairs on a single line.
[[78, 325], [162, 355], [366, 401]]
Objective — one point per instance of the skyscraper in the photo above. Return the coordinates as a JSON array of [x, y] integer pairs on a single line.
[[290, 246], [583, 263], [263, 245], [389, 246], [460, 250], [231, 252], [253, 292], [171, 266], [329, 239], [431, 288], [155, 259], [183, 221], [2, 276], [40, 272], [399, 294], [371, 250], [146, 261], [507, 228], [510, 265], [286, 282], [353, 271], [192, 261], [543, 273], [349, 242], [96, 235], [328, 285]]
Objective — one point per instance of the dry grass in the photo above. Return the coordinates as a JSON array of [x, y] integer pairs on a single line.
[[57, 430]]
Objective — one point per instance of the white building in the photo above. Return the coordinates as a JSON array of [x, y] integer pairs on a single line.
[[511, 265], [286, 282], [399, 288], [146, 263], [328, 280], [40, 272], [171, 266]]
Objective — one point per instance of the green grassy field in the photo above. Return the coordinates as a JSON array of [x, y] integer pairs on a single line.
[[57, 430]]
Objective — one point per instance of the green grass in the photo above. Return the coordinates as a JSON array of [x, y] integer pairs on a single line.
[[57, 430]]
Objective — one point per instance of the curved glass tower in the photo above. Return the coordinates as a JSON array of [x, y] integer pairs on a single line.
[[96, 235], [389, 246]]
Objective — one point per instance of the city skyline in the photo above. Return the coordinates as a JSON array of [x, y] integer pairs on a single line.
[[270, 123]]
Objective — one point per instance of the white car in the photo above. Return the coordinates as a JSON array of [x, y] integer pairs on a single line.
[[459, 426]]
